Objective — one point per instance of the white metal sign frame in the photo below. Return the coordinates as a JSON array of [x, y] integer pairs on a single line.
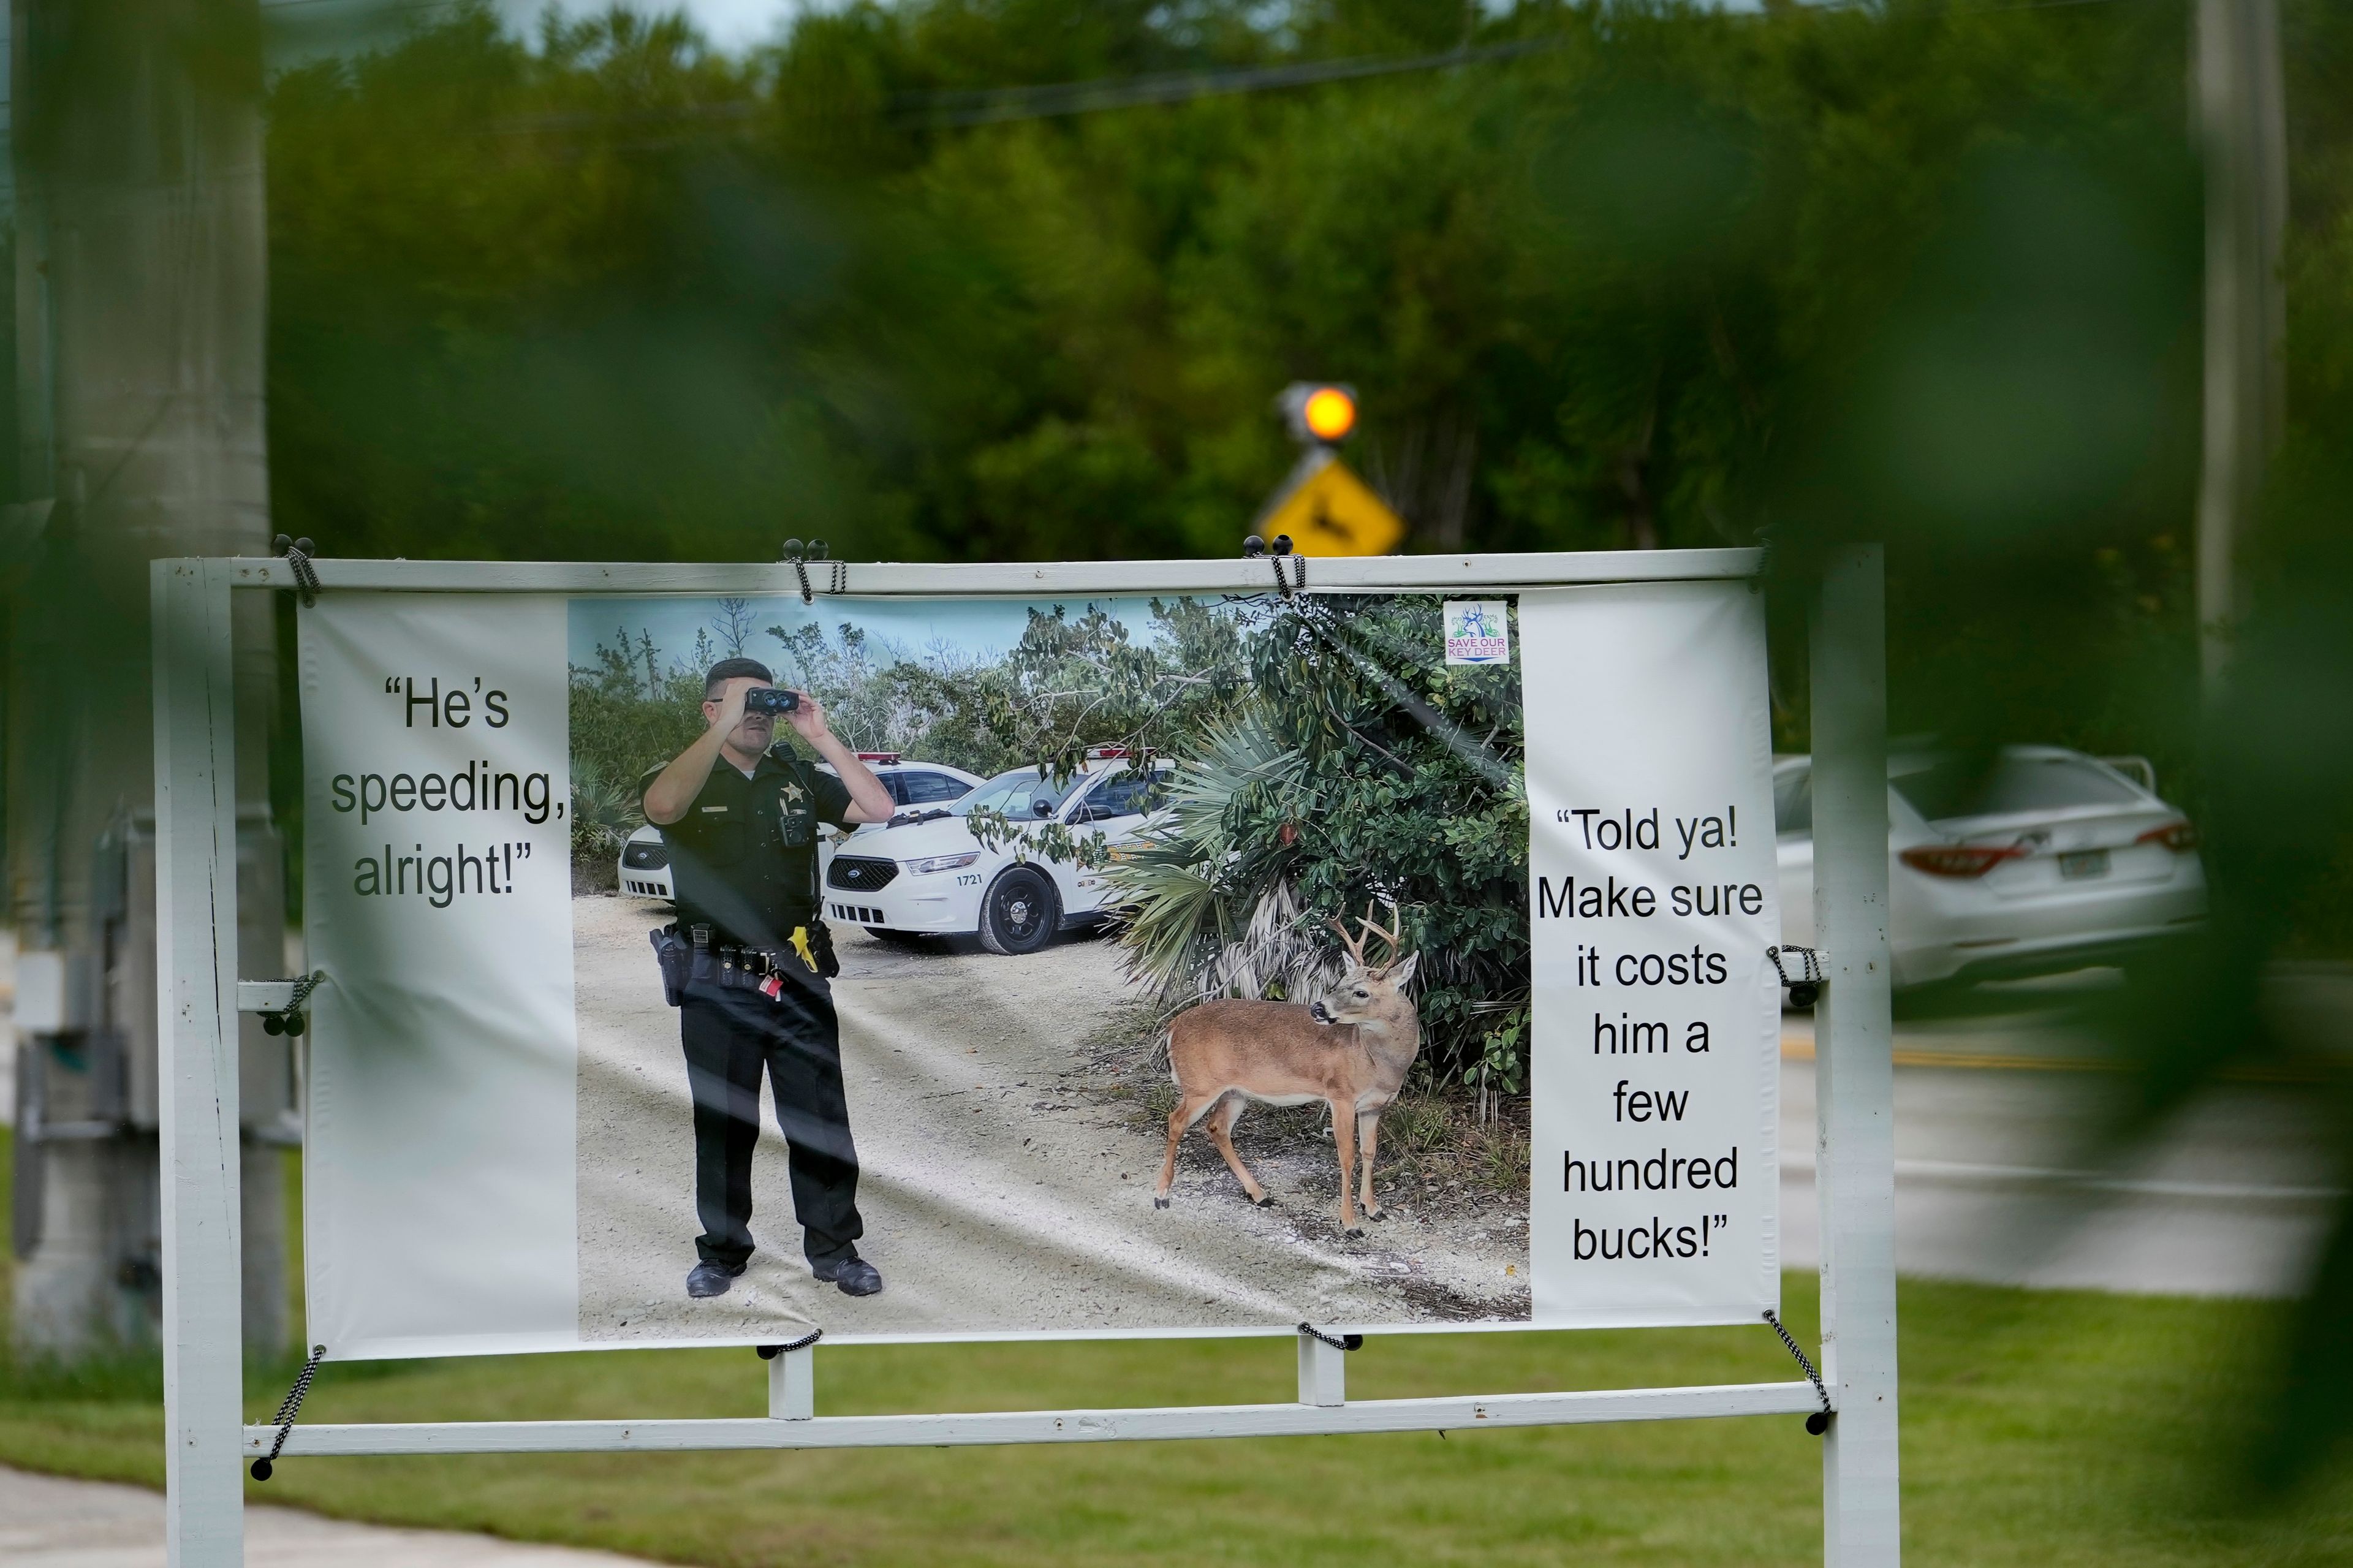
[[200, 997]]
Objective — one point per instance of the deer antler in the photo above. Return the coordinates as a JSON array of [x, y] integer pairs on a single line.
[[1386, 934], [1356, 944]]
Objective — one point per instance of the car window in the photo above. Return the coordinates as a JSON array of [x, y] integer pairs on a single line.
[[897, 784], [931, 789], [1793, 801], [1131, 794], [1017, 793], [1952, 787]]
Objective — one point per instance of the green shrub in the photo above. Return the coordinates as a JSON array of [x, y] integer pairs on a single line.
[[1360, 770]]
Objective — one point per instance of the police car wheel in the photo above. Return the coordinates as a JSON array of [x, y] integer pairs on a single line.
[[1020, 913]]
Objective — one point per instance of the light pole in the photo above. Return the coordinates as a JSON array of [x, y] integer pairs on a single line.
[[140, 314], [2241, 124]]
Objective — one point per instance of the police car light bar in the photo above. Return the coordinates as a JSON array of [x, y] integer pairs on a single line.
[[878, 756]]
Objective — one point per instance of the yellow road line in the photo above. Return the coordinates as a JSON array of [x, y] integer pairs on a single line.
[[1794, 1048]]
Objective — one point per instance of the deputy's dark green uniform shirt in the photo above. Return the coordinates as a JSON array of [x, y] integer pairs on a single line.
[[743, 859]]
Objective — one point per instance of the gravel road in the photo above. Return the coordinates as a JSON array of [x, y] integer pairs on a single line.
[[1005, 1185]]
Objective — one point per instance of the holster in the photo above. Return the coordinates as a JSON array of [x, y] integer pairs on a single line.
[[728, 966], [675, 958]]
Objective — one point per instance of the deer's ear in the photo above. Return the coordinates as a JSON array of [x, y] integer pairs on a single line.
[[1403, 972]]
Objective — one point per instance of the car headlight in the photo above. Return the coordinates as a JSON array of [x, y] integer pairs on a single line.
[[943, 862]]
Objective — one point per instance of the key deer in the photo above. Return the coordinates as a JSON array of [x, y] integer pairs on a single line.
[[1351, 1050]]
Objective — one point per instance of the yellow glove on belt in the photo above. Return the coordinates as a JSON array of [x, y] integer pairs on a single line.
[[801, 946]]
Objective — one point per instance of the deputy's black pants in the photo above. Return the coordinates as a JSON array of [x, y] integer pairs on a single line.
[[731, 1036]]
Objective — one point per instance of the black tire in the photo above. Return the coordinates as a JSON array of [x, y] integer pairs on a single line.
[[1021, 913]]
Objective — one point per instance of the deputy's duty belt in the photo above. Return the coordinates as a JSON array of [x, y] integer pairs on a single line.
[[727, 965]]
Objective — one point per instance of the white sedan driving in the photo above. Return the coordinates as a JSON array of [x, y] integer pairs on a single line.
[[2052, 860]]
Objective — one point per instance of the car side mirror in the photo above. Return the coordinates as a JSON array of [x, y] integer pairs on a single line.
[[1041, 808]]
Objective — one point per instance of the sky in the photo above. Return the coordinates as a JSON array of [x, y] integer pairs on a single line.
[[301, 27], [730, 25], [979, 628], [738, 24], [300, 30]]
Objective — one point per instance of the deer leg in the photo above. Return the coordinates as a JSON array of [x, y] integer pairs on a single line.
[[1188, 1110], [1368, 1133], [1221, 1133], [1344, 1132]]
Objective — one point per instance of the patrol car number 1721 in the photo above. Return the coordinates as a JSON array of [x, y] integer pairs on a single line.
[[929, 874]]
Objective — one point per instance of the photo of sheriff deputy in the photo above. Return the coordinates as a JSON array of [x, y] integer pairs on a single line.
[[742, 825]]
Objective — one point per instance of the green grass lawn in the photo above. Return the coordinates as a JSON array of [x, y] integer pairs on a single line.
[[2041, 1429]]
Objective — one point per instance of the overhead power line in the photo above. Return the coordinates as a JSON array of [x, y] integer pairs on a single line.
[[950, 109], [993, 105], [989, 106], [955, 108]]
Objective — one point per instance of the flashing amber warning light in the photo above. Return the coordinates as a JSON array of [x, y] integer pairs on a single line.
[[1324, 507], [1319, 411], [1330, 413]]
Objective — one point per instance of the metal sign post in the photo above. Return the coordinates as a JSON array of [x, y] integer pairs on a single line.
[[1854, 1067], [199, 998], [195, 967]]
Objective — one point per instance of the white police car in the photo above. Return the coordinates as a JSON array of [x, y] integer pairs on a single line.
[[927, 873], [916, 786]]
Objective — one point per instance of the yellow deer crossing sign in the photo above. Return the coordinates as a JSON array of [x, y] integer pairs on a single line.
[[1328, 510]]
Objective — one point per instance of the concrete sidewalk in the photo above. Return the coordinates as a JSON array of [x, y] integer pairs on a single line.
[[47, 1522]]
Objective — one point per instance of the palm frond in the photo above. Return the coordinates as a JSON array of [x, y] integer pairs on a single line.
[[1173, 916], [1275, 957], [1208, 912]]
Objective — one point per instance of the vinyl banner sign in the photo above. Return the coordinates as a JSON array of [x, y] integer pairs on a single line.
[[1651, 888], [716, 970]]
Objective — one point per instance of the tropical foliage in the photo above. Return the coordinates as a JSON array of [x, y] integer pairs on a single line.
[[629, 710], [1663, 274], [1360, 769], [606, 293], [1075, 677]]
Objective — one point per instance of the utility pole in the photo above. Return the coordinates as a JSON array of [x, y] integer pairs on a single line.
[[141, 318], [2242, 123]]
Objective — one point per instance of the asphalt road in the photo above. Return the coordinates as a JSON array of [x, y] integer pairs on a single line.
[[1997, 1179]]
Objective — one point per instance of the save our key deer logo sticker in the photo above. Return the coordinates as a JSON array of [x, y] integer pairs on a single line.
[[1477, 631]]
